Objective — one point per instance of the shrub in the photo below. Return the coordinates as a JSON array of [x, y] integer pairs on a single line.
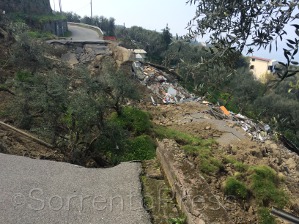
[[140, 148], [236, 188], [133, 119]]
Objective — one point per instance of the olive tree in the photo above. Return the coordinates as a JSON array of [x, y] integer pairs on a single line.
[[235, 24]]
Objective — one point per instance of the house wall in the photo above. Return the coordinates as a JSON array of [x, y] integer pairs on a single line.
[[260, 68]]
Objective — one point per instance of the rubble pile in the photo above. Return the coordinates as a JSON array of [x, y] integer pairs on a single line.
[[257, 131], [86, 53], [166, 89], [164, 86]]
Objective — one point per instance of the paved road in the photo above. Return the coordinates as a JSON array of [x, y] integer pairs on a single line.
[[80, 33], [47, 192]]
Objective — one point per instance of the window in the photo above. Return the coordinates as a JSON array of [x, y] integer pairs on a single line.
[[251, 67], [252, 59]]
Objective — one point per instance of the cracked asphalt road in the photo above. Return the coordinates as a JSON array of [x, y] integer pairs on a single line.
[[81, 33], [40, 192]]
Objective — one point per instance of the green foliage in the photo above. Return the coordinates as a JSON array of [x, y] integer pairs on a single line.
[[134, 120], [209, 165], [40, 35], [140, 148], [247, 24], [193, 146], [264, 186], [34, 51], [180, 137], [180, 220], [265, 217], [234, 187], [241, 167], [206, 162], [153, 42], [35, 19]]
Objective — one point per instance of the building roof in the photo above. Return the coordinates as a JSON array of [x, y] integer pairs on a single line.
[[261, 59], [138, 51]]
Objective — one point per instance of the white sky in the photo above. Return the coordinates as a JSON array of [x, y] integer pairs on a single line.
[[149, 14]]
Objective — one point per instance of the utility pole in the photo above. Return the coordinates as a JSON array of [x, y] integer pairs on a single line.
[[54, 5], [90, 8], [60, 6]]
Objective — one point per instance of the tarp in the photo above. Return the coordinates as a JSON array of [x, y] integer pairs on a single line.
[[224, 110]]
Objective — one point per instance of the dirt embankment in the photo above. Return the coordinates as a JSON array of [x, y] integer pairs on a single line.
[[17, 142], [233, 143]]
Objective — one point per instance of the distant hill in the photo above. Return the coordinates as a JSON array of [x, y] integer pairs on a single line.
[[26, 6]]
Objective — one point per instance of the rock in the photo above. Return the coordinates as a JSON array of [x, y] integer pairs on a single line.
[[281, 176], [273, 146], [208, 128], [70, 58], [295, 208], [291, 163], [79, 50], [256, 153], [251, 210], [2, 134]]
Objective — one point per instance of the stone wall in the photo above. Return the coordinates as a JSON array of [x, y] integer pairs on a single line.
[[26, 6]]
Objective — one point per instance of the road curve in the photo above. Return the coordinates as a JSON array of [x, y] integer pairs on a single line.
[[82, 33], [46, 192]]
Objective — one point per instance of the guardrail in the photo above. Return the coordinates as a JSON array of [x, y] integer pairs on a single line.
[[95, 28]]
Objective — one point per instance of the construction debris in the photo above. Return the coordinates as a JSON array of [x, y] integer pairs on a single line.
[[164, 86], [166, 89]]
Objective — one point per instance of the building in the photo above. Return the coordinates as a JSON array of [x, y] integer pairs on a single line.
[[261, 67], [139, 54], [110, 38]]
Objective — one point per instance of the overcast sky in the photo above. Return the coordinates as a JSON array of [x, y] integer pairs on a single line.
[[149, 14]]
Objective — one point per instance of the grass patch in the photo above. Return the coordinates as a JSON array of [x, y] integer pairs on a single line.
[[264, 186], [206, 161], [236, 188], [265, 216], [180, 137], [241, 167], [193, 146]]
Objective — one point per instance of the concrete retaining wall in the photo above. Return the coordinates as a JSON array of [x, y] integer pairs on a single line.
[[192, 192]]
